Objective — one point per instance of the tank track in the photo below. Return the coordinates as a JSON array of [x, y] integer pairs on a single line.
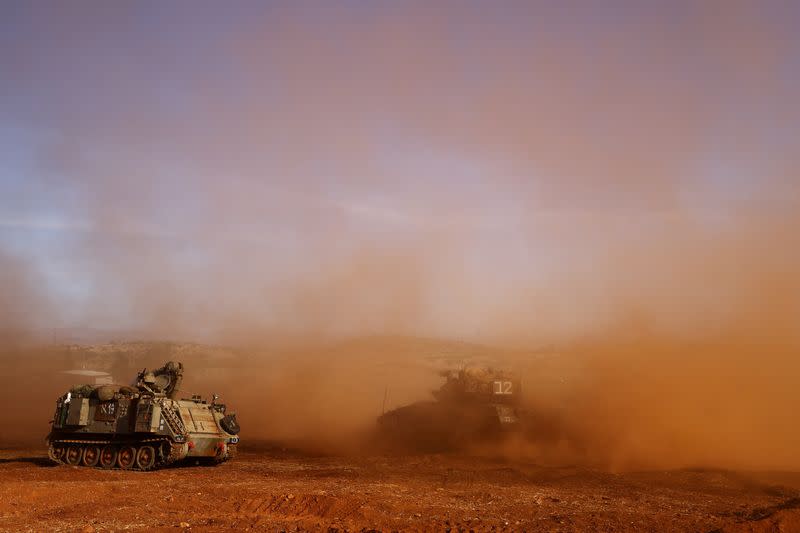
[[123, 454]]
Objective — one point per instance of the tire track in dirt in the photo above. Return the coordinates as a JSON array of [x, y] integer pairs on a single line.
[[301, 507]]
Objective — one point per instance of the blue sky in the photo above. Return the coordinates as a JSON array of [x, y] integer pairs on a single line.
[[196, 164]]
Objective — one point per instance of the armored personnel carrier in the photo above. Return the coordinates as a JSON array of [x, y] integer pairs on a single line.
[[140, 427], [474, 403]]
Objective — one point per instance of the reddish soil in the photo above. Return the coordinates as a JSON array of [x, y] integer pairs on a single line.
[[273, 490]]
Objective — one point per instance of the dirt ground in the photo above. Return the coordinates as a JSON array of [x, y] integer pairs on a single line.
[[270, 489]]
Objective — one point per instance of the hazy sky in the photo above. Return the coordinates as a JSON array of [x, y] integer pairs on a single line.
[[439, 169]]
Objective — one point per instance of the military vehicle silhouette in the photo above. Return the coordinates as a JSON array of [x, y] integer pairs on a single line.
[[474, 403]]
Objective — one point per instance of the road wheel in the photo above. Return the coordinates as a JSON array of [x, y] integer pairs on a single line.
[[91, 454], [56, 453], [72, 456], [108, 456], [126, 457], [164, 452], [146, 458]]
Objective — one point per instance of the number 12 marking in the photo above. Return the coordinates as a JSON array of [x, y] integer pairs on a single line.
[[502, 387]]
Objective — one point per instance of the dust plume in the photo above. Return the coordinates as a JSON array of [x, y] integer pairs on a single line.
[[689, 359], [22, 302], [24, 307], [325, 194], [697, 363]]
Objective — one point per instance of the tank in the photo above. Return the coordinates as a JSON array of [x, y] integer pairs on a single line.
[[474, 404], [140, 427]]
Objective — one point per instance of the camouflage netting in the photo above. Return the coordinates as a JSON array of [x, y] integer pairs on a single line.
[[101, 392], [82, 390]]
